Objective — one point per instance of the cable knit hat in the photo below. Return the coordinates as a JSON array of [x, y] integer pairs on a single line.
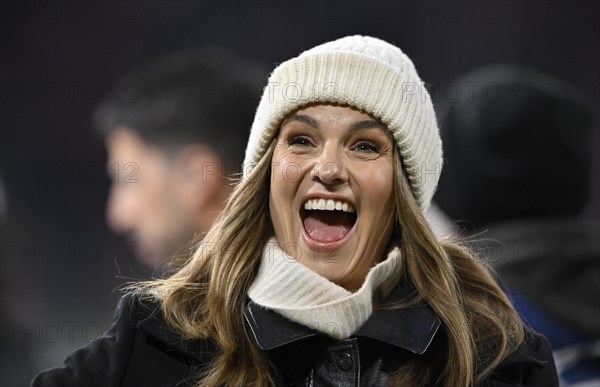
[[370, 75]]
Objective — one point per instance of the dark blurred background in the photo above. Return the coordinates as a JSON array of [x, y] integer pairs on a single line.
[[60, 265]]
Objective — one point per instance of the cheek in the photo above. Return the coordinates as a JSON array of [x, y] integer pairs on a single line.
[[156, 196], [380, 180], [286, 173], [286, 176], [278, 187], [280, 195], [377, 188], [159, 208]]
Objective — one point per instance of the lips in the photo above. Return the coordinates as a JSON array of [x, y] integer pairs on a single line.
[[327, 222]]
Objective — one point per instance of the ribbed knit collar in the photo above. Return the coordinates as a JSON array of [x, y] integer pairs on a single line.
[[289, 288]]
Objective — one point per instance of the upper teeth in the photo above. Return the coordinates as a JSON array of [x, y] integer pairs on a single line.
[[328, 205]]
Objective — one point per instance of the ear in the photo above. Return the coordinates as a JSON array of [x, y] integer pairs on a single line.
[[198, 177]]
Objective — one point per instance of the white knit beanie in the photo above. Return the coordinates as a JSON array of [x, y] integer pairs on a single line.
[[368, 74]]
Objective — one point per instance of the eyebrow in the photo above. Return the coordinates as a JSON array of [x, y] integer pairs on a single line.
[[366, 124], [303, 119]]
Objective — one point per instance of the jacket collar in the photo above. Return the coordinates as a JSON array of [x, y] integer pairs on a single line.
[[155, 325], [410, 328]]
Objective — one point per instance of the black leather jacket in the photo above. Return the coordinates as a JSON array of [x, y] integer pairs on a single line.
[[141, 350]]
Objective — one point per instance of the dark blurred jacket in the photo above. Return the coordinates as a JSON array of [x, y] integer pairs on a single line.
[[537, 257]]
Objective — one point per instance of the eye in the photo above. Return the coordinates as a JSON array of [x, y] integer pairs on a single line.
[[365, 146], [299, 141]]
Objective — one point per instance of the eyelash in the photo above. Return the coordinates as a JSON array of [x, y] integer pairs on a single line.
[[372, 147], [302, 141], [363, 146]]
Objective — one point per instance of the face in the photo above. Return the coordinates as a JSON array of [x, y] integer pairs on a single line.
[[143, 202], [331, 198]]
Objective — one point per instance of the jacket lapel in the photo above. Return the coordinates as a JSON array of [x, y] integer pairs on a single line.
[[410, 328], [271, 330]]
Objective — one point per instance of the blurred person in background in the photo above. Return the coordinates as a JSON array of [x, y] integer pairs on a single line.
[[175, 132], [517, 177]]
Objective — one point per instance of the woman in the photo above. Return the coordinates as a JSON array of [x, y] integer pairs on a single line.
[[322, 269]]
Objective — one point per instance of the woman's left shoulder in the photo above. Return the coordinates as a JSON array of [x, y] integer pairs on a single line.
[[531, 364]]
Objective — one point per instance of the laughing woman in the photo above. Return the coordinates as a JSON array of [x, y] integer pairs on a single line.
[[322, 270]]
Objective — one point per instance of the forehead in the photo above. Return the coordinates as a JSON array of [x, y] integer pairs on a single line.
[[331, 112]]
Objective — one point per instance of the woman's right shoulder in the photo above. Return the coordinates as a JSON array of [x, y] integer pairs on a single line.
[[138, 336], [136, 306]]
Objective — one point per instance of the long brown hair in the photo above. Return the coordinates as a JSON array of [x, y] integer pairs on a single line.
[[205, 299]]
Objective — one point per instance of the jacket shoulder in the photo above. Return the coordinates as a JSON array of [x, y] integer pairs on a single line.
[[103, 361], [531, 364], [138, 337]]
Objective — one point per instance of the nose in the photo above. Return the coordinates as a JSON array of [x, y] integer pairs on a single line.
[[118, 212], [330, 168]]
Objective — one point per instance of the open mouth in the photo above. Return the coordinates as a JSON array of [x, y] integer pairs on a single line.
[[327, 220]]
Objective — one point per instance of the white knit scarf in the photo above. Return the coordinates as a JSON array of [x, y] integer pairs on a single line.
[[300, 294]]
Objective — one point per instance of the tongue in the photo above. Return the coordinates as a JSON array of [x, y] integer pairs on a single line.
[[327, 226]]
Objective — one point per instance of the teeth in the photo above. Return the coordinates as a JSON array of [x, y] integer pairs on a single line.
[[322, 204], [328, 205]]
